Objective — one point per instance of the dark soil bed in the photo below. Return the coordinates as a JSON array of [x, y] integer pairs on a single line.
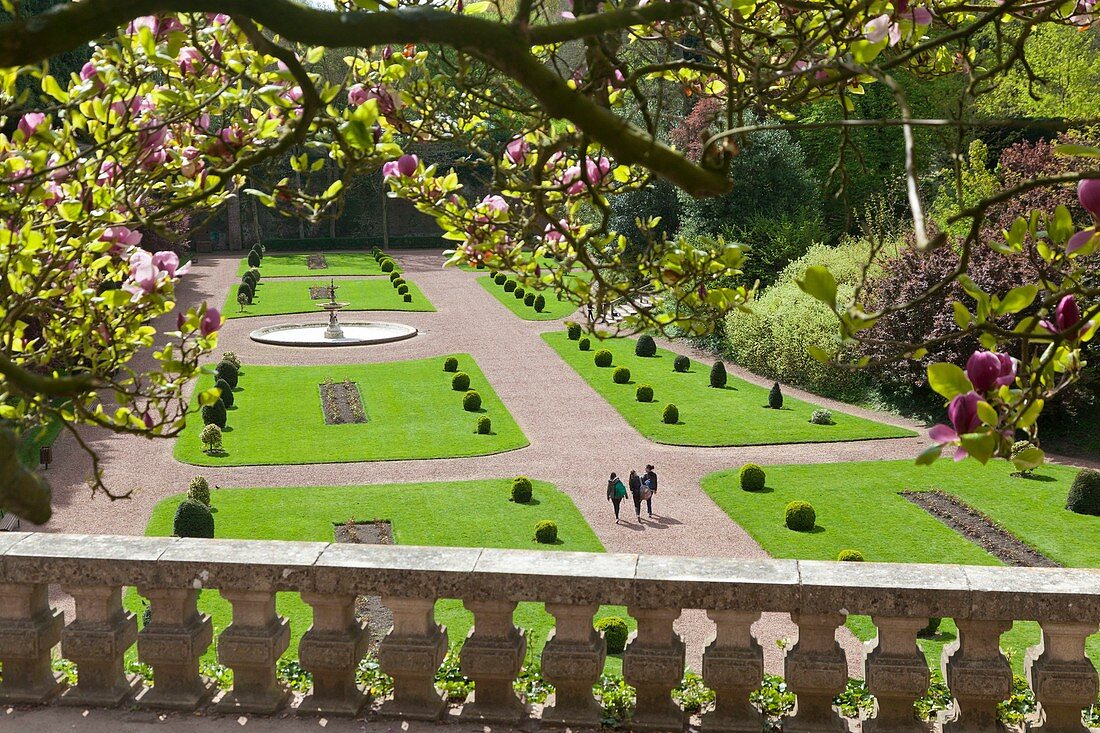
[[342, 403], [980, 529], [319, 293], [369, 608], [316, 262]]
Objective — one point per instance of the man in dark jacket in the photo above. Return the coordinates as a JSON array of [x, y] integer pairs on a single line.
[[649, 481], [636, 493]]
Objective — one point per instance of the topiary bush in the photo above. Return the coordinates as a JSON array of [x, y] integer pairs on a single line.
[[199, 490], [227, 392], [718, 375], [615, 632], [397, 281], [407, 297], [540, 303], [775, 397], [584, 344], [450, 364], [228, 372], [402, 289], [602, 358], [681, 363], [253, 259], [519, 293], [546, 532], [573, 330], [1084, 493], [211, 439], [821, 417], [471, 402], [500, 278], [460, 382], [929, 631], [193, 519], [510, 286], [751, 477], [214, 414], [484, 425], [387, 265], [529, 300], [644, 393], [800, 516], [671, 415], [521, 489], [621, 375], [850, 556], [645, 346], [232, 358], [244, 290], [394, 276]]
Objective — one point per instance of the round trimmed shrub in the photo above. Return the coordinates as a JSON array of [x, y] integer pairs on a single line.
[[253, 259], [394, 276], [775, 398], [615, 632], [402, 289], [472, 401], [211, 438], [621, 375], [850, 556], [250, 278], [510, 286], [199, 490], [718, 375], [500, 278], [225, 370], [645, 346], [387, 265], [407, 297], [484, 425], [1084, 493], [398, 281], [193, 519], [644, 393], [681, 363], [751, 477], [214, 414], [584, 344], [546, 532], [529, 300], [821, 416], [519, 293], [244, 290], [540, 303], [671, 415], [800, 516], [232, 358], [602, 358], [521, 489], [450, 364], [573, 330], [460, 382], [227, 393]]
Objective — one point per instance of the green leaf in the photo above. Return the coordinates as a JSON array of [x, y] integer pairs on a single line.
[[315, 54], [367, 4], [819, 354], [962, 315], [929, 456], [988, 415], [209, 396], [51, 87], [979, 446], [1060, 226], [819, 283], [1017, 299], [948, 380], [1028, 459], [334, 189], [1028, 417], [1086, 151], [864, 51]]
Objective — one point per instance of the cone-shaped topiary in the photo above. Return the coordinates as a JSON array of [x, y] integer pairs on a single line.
[[644, 393], [1084, 493], [521, 490], [214, 414], [718, 375], [645, 346], [573, 330], [450, 364], [850, 556], [484, 425], [510, 286], [529, 300], [671, 415], [246, 292], [800, 516], [193, 519], [471, 402], [540, 303], [584, 344], [602, 358], [460, 382], [253, 259], [546, 532], [621, 375], [227, 393], [615, 632], [199, 490], [751, 477], [228, 372], [775, 397], [681, 363]]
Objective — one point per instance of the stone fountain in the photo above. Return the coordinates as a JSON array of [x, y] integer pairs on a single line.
[[333, 333]]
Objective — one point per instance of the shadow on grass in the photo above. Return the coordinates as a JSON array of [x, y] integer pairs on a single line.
[[1034, 477]]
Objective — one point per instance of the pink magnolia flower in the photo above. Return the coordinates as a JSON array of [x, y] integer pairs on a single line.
[[218, 18], [387, 52], [122, 236], [169, 262], [876, 29], [407, 165], [1067, 315], [57, 172], [190, 60], [516, 150], [54, 193], [988, 369], [357, 94], [1080, 239], [88, 71], [31, 123], [210, 322], [495, 203], [109, 170], [389, 169], [1088, 193], [388, 103], [963, 414], [144, 275], [555, 232]]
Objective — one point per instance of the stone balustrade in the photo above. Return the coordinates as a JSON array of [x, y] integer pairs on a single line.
[[170, 572]]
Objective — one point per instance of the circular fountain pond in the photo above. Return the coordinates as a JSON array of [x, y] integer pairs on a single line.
[[351, 334]]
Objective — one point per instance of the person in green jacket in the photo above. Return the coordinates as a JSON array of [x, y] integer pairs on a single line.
[[616, 491]]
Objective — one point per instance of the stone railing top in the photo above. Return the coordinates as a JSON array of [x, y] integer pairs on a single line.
[[884, 589]]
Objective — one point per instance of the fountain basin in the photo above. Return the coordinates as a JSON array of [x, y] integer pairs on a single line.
[[354, 334]]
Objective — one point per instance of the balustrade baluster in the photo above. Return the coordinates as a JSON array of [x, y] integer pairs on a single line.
[[331, 651], [97, 642], [572, 661], [492, 657], [653, 663], [411, 653], [978, 674], [897, 674], [172, 643], [733, 665], [29, 630], [817, 671], [1063, 678], [251, 647]]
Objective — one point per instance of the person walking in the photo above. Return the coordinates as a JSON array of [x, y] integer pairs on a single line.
[[635, 482], [615, 493], [649, 487]]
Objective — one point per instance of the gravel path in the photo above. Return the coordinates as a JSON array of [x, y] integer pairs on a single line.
[[576, 437]]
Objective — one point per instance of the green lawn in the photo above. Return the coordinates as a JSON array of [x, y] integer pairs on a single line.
[[858, 507], [554, 310], [734, 415], [294, 265], [411, 409], [421, 514], [274, 297]]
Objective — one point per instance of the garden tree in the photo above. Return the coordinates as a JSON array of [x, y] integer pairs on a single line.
[[181, 98]]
